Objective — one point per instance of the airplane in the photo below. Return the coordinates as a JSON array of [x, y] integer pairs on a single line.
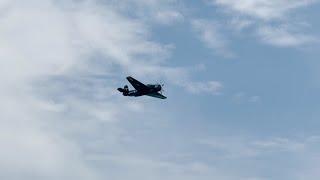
[[153, 90]]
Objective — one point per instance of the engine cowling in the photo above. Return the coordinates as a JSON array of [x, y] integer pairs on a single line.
[[159, 87], [124, 90]]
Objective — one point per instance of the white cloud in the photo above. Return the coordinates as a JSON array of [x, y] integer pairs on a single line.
[[280, 144], [240, 24], [264, 9], [146, 168], [50, 98], [31, 148], [210, 34], [169, 17], [241, 147], [212, 87], [254, 99], [57, 90], [60, 117], [241, 97], [270, 20], [165, 12], [282, 37]]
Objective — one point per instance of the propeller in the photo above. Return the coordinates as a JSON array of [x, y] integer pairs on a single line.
[[162, 85]]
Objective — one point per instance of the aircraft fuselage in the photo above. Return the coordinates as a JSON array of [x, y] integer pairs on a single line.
[[153, 88]]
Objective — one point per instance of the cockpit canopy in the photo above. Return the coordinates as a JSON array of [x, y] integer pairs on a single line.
[[155, 86]]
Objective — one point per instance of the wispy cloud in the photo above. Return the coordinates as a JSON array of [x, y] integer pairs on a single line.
[[282, 37], [269, 20], [241, 97], [264, 9], [212, 87], [52, 54], [166, 12], [241, 147], [209, 33], [60, 64]]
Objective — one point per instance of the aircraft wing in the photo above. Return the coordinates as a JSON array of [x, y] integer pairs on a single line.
[[157, 95], [137, 85]]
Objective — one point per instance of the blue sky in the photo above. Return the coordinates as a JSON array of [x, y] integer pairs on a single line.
[[242, 80]]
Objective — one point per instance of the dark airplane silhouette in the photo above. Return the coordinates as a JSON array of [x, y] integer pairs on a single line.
[[142, 89]]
